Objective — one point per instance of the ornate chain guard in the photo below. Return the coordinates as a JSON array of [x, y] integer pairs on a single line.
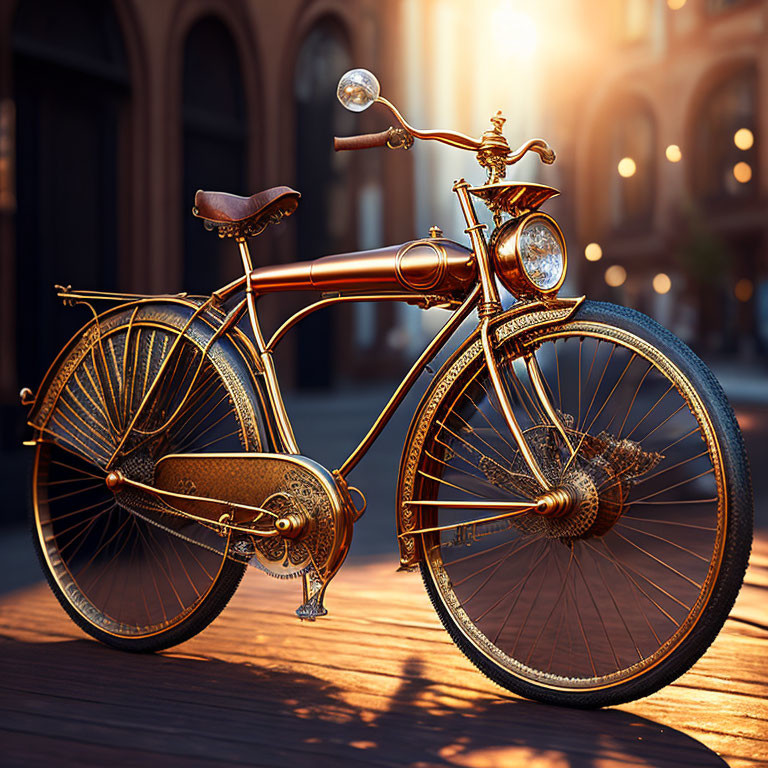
[[303, 496], [295, 489]]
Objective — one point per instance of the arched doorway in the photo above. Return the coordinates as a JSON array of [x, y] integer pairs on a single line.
[[72, 88], [327, 212], [724, 140], [214, 135], [624, 153], [725, 264]]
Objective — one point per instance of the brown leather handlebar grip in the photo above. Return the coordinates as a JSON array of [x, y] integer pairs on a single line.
[[364, 141]]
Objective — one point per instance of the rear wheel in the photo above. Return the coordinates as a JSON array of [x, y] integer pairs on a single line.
[[627, 590], [128, 574]]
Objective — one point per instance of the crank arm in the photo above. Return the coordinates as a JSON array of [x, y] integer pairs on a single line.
[[116, 480]]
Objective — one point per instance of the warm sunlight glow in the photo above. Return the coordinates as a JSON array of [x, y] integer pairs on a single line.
[[514, 33], [673, 153], [627, 167], [742, 172], [743, 289], [662, 283], [593, 252], [615, 276], [676, 5], [744, 138]]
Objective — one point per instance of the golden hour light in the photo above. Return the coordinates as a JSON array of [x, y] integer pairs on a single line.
[[515, 33], [615, 275], [673, 153], [744, 138], [627, 167], [743, 289], [593, 252], [662, 283], [676, 5], [742, 172]]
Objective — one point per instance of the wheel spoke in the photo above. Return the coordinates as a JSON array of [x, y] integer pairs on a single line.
[[129, 572], [599, 605]]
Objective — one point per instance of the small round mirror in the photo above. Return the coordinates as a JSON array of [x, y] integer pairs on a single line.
[[358, 89]]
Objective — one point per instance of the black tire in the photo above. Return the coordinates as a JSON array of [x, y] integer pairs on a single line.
[[735, 551], [217, 599], [211, 576]]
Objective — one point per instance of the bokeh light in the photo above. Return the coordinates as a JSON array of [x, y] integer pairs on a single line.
[[743, 289], [593, 252], [627, 167], [673, 153], [676, 5], [615, 275], [742, 172], [662, 283], [744, 138]]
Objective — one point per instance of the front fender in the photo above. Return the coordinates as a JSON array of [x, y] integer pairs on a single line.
[[509, 327]]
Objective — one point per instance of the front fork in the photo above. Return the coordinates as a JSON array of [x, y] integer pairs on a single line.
[[488, 308], [537, 382]]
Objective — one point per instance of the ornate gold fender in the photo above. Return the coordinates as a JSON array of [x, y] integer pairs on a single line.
[[507, 328]]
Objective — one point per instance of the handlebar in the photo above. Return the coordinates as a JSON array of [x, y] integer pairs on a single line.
[[364, 141], [493, 151], [394, 138]]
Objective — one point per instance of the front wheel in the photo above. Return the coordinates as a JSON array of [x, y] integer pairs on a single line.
[[623, 593]]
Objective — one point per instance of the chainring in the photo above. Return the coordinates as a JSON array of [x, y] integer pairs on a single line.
[[284, 557]]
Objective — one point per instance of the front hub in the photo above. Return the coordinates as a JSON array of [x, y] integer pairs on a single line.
[[590, 489]]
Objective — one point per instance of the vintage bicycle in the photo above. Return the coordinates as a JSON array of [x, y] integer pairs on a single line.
[[573, 485]]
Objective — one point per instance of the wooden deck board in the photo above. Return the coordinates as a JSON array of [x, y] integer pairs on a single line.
[[377, 683]]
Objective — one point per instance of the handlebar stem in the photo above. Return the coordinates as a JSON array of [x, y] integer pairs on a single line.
[[491, 303]]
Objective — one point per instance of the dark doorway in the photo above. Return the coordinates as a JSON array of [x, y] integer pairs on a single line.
[[326, 215], [214, 125], [71, 88]]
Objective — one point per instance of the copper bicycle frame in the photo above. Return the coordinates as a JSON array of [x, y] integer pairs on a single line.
[[484, 295]]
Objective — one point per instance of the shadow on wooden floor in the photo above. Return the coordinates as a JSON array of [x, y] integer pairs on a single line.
[[78, 703]]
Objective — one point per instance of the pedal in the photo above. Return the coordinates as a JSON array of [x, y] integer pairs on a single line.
[[314, 590]]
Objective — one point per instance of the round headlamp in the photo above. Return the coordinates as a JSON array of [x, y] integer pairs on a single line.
[[529, 255]]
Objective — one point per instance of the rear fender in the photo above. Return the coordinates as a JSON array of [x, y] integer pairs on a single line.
[[230, 352]]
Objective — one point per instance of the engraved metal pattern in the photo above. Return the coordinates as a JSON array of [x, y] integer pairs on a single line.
[[285, 557], [247, 228]]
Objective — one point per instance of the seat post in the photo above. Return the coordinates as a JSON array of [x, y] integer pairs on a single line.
[[283, 422], [245, 254]]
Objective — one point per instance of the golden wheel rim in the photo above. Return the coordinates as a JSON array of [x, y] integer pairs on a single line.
[[585, 610], [129, 569]]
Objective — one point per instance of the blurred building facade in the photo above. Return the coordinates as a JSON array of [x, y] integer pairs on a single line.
[[114, 112], [661, 126]]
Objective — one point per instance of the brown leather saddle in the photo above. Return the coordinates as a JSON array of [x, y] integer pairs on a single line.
[[236, 216]]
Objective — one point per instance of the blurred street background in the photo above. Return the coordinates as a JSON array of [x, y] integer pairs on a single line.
[[113, 112]]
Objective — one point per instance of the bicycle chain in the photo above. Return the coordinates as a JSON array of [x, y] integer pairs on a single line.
[[165, 509], [248, 558]]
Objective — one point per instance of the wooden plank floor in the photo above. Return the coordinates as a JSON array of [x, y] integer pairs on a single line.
[[377, 683]]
